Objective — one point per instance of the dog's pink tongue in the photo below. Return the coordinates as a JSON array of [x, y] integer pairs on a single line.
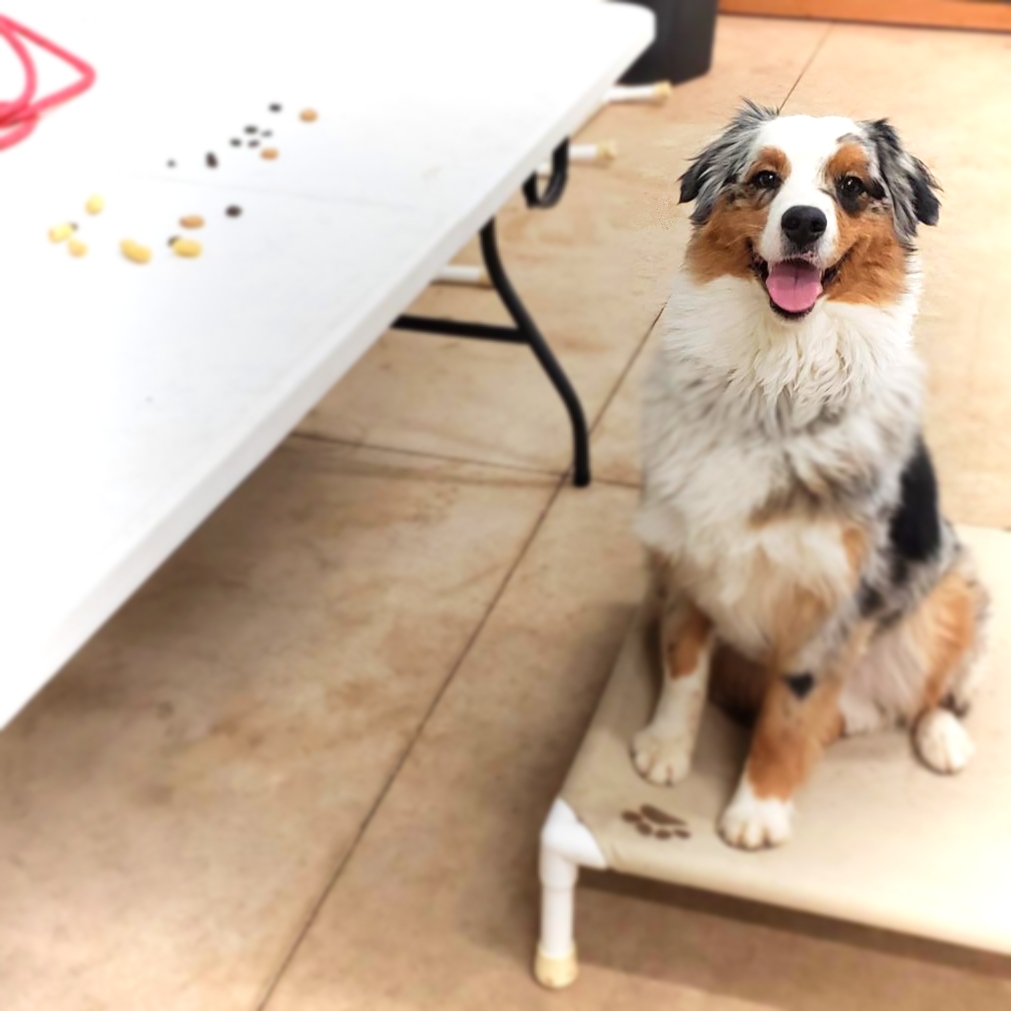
[[794, 286]]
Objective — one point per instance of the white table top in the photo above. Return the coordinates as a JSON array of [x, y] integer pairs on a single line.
[[134, 399]]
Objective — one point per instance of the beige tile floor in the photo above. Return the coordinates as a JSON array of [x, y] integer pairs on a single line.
[[305, 767]]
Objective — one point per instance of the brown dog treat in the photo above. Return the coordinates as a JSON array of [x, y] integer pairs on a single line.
[[682, 833], [661, 817], [192, 221], [631, 816], [234, 211], [644, 829], [308, 115], [212, 160], [270, 153], [664, 833]]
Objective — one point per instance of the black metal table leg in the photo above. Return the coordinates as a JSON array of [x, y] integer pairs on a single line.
[[532, 336], [525, 331]]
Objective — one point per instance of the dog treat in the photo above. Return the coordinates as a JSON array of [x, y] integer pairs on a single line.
[[644, 829], [171, 164], [135, 251], [250, 129], [172, 238], [76, 247], [270, 153], [275, 107], [95, 204], [664, 834], [187, 247], [192, 221], [234, 211], [308, 115], [235, 142], [266, 133], [60, 232], [212, 160], [632, 817], [253, 143]]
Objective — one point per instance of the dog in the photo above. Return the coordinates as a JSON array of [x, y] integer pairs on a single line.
[[802, 570]]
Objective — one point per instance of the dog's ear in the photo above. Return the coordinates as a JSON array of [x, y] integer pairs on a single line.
[[722, 162], [912, 187]]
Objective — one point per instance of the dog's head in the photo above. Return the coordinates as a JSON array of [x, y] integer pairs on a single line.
[[809, 208]]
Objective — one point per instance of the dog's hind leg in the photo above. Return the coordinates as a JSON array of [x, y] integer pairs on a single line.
[[662, 751]]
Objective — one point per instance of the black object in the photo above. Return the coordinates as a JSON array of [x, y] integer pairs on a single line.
[[525, 331], [683, 47]]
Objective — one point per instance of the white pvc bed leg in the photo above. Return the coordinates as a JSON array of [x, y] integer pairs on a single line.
[[565, 845]]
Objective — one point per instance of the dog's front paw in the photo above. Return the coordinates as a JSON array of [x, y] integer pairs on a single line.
[[942, 743], [751, 823], [662, 760]]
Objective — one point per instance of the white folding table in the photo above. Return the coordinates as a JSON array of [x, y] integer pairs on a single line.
[[133, 399]]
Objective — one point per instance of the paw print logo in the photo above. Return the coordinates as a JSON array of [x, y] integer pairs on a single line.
[[651, 821]]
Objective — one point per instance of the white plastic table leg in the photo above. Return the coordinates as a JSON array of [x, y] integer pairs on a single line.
[[566, 844]]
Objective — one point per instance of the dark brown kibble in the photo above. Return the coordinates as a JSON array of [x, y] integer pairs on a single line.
[[631, 816], [173, 239], [171, 164], [276, 107], [234, 211], [212, 160], [267, 133], [664, 833], [644, 829], [254, 143], [661, 817], [250, 129], [236, 142], [682, 833]]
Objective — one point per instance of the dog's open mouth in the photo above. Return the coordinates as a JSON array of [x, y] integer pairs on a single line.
[[794, 285]]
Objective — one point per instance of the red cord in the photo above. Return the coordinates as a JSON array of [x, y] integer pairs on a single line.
[[20, 117]]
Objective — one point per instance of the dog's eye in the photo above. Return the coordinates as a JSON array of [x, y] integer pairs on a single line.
[[852, 187], [765, 180]]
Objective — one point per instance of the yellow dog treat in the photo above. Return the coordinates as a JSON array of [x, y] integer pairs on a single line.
[[192, 221], [270, 153], [135, 251], [60, 232], [187, 247], [76, 247], [308, 115], [95, 204]]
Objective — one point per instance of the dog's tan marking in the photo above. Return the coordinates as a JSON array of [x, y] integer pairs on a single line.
[[689, 641], [872, 261], [770, 159], [790, 735], [943, 631]]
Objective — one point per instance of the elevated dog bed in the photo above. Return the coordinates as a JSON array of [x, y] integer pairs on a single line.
[[877, 838]]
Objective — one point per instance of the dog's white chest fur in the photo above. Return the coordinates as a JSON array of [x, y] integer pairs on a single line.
[[741, 411]]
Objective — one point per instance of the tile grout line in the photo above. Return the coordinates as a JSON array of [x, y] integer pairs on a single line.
[[425, 455], [817, 49], [345, 859]]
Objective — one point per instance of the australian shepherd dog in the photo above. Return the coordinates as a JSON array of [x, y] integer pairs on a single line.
[[803, 572]]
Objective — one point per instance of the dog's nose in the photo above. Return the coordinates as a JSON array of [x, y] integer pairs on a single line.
[[804, 225]]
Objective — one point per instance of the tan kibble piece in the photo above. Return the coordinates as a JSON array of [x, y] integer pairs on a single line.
[[308, 115], [95, 204], [60, 232], [77, 248], [270, 153], [187, 247], [192, 221], [135, 251]]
